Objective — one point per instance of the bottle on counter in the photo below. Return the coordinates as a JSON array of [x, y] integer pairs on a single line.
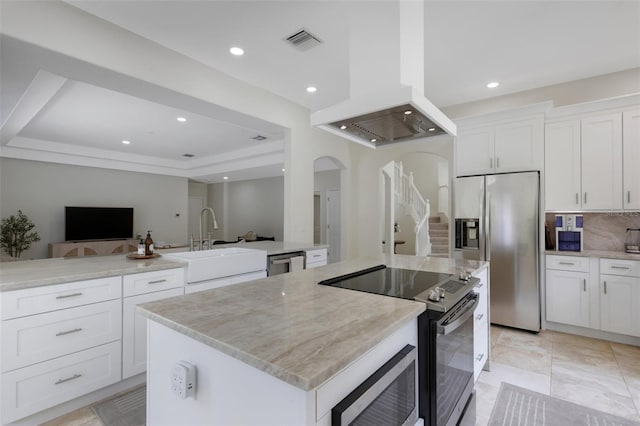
[[148, 245], [141, 249]]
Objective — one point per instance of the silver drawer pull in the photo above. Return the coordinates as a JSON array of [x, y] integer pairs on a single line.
[[584, 284], [62, 333], [624, 268], [577, 199], [317, 255], [68, 295], [566, 263], [157, 281], [479, 357], [75, 376], [281, 262], [605, 287], [479, 316]]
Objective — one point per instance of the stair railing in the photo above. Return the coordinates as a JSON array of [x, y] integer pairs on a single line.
[[409, 196]]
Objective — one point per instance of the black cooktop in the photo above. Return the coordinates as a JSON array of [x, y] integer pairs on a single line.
[[406, 284]]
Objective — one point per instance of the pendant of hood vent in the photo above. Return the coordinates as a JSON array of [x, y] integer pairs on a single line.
[[397, 124]]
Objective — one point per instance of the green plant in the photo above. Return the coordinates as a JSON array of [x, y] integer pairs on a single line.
[[15, 236]]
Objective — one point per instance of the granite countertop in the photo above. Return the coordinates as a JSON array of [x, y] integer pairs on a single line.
[[278, 247], [596, 253], [292, 328], [40, 272]]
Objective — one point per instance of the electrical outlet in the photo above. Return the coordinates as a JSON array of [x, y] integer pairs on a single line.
[[183, 380]]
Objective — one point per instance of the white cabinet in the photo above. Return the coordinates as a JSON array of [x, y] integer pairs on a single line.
[[143, 288], [505, 147], [620, 296], [481, 326], [568, 292], [221, 282], [315, 258], [583, 164], [631, 158]]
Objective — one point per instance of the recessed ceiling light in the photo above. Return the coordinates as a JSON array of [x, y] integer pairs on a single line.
[[311, 89], [408, 112], [283, 170], [181, 119], [432, 129], [373, 140], [236, 51], [493, 85], [126, 142], [344, 126], [226, 178]]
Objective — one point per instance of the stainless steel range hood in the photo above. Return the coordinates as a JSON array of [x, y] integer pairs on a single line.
[[397, 110], [384, 117]]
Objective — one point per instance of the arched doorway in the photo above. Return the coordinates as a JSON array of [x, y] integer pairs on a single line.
[[327, 206]]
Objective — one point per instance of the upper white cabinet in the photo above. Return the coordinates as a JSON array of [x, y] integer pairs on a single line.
[[504, 147], [631, 159], [583, 159]]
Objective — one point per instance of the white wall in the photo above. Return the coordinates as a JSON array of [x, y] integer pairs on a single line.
[[328, 179], [42, 190], [250, 205]]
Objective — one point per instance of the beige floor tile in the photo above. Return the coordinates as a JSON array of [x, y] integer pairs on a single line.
[[569, 372], [520, 339], [584, 355], [495, 331], [581, 341], [82, 417], [530, 358], [596, 398], [633, 385], [516, 376], [486, 394], [628, 358]]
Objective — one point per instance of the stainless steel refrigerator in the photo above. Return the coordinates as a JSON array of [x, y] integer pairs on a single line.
[[497, 220]]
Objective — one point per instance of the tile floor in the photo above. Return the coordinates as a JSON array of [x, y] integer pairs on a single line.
[[595, 373]]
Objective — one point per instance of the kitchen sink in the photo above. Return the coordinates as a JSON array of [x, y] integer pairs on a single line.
[[217, 263]]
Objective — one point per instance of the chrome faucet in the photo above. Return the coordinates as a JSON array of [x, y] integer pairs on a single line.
[[215, 226]]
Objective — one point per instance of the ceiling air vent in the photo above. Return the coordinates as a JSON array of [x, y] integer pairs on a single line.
[[188, 155], [259, 138], [303, 40]]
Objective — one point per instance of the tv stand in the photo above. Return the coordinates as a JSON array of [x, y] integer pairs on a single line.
[[92, 248]]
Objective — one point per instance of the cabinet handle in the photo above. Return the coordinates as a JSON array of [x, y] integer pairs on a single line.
[[479, 285], [577, 198], [68, 295], [479, 316], [491, 163], [479, 357], [566, 263], [157, 281], [584, 284], [628, 196], [498, 162], [62, 333], [585, 198], [317, 255], [624, 268], [605, 287], [75, 376]]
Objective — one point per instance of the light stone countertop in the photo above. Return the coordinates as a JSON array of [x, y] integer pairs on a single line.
[[596, 253], [23, 274], [292, 328]]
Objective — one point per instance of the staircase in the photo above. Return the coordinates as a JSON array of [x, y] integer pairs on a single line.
[[409, 197], [439, 235]]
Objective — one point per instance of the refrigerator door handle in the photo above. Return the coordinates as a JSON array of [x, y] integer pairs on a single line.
[[487, 225]]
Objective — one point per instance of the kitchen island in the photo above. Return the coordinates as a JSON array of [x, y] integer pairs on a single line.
[[281, 350]]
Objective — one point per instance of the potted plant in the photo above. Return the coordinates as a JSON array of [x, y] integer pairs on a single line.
[[15, 235]]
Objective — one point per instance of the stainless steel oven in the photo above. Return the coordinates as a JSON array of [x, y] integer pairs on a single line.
[[386, 398], [445, 341]]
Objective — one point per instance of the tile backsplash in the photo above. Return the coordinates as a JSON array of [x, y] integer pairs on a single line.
[[602, 231]]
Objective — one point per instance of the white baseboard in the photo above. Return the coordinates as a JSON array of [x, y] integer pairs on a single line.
[[595, 334]]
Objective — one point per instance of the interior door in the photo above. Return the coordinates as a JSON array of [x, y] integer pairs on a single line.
[[333, 225]]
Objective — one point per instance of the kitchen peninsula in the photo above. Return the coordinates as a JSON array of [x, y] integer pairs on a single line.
[[281, 350]]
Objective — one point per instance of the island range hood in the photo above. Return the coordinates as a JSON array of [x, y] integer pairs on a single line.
[[399, 111]]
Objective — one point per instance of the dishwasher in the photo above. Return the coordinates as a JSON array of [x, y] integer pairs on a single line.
[[283, 263]]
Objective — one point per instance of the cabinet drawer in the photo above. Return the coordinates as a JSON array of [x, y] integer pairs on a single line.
[[148, 282], [568, 263], [37, 338], [32, 389], [316, 256], [20, 303], [207, 285], [627, 268], [480, 346]]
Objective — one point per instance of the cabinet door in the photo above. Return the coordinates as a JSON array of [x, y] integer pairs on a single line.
[[475, 152], [562, 166], [518, 146], [620, 304], [601, 161], [631, 158], [481, 326], [568, 297], [134, 338]]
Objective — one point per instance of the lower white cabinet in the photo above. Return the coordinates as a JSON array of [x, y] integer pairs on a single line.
[[568, 297], [221, 282], [481, 326], [35, 388], [620, 304], [315, 258], [134, 338]]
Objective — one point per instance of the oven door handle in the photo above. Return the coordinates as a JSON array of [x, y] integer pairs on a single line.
[[458, 320]]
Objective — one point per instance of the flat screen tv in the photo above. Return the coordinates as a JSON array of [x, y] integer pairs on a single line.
[[97, 223]]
